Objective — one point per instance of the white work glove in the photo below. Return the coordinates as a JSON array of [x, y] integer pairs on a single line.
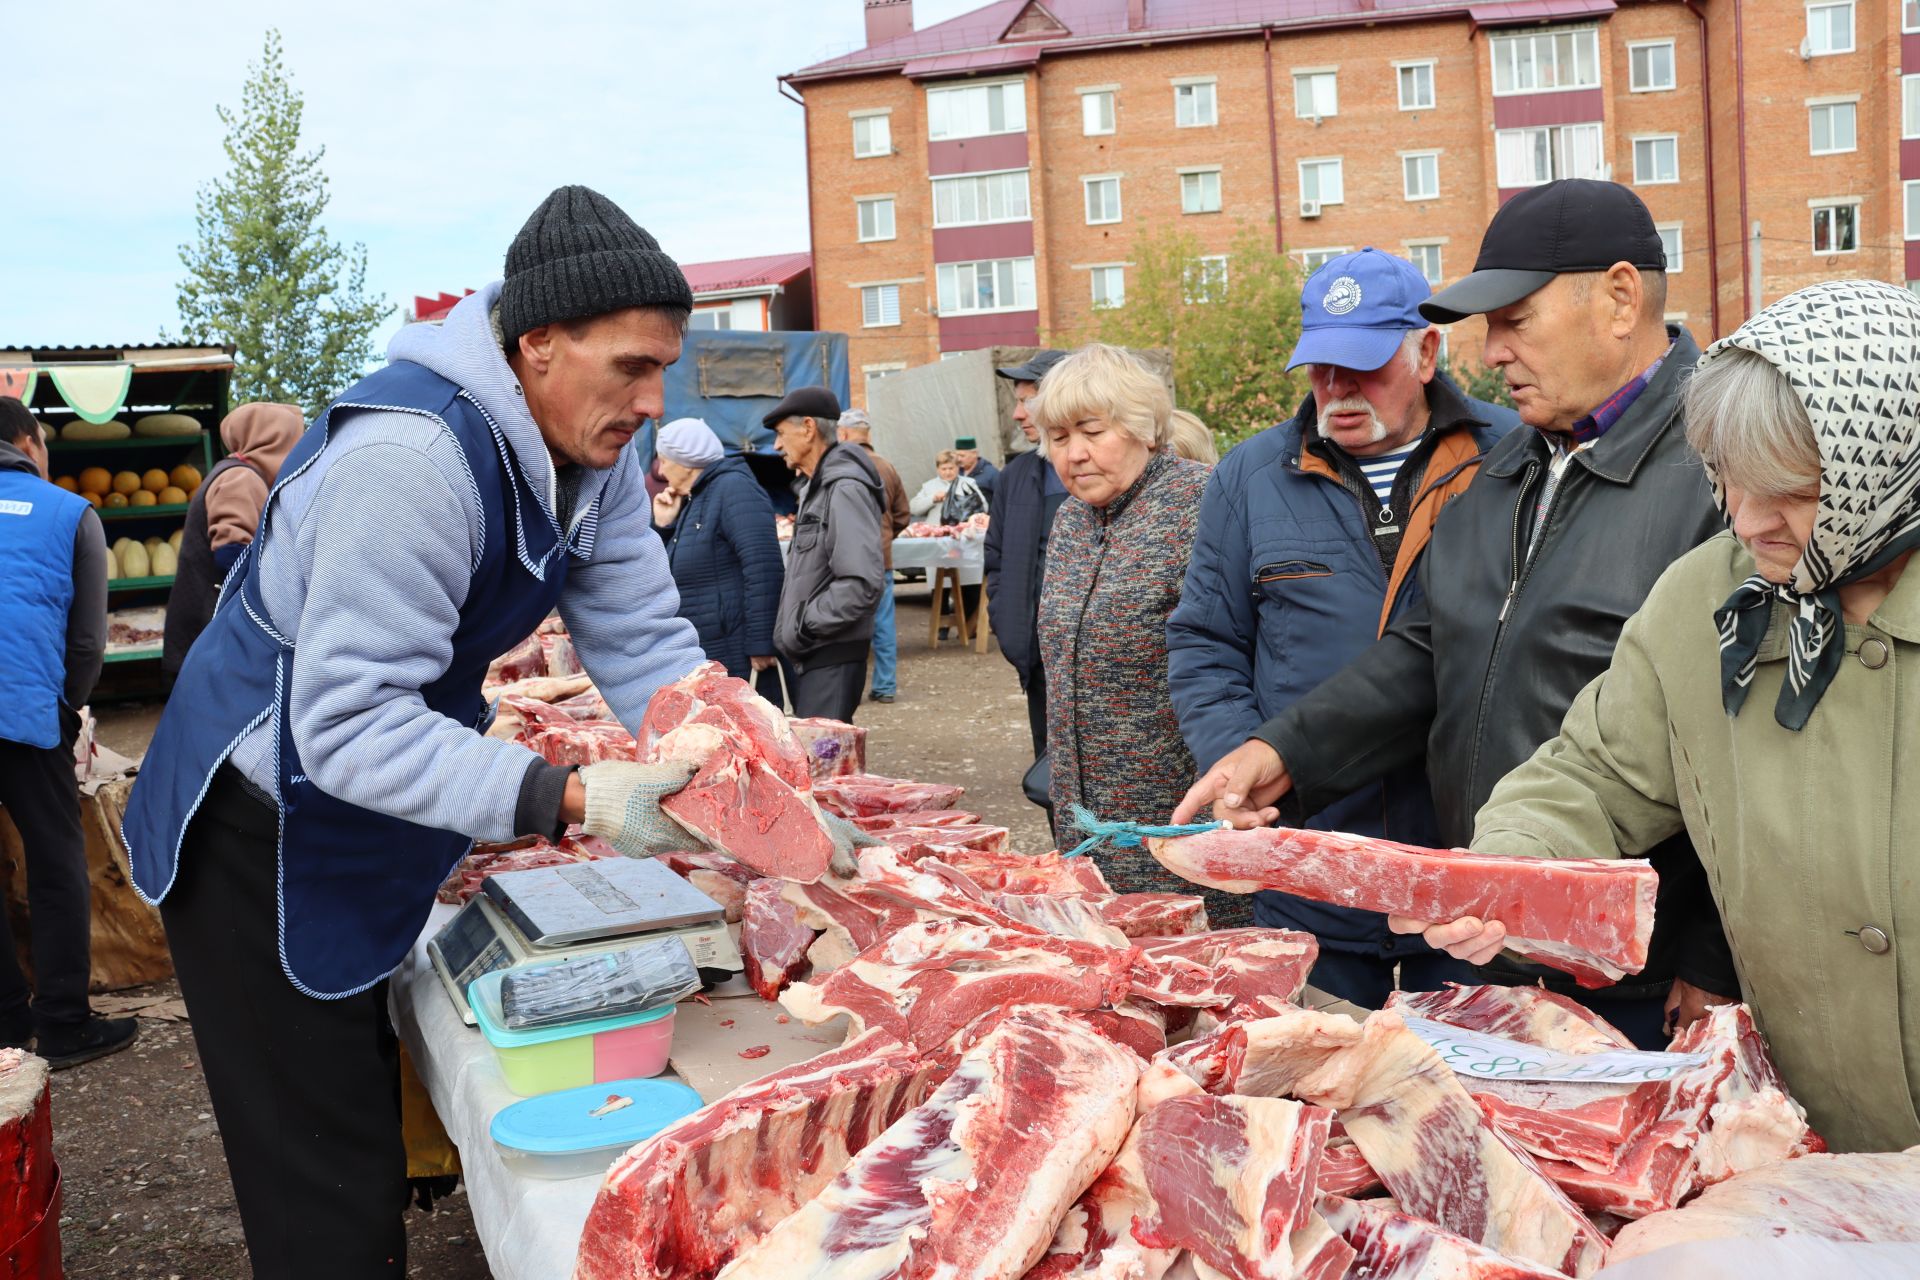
[[623, 806]]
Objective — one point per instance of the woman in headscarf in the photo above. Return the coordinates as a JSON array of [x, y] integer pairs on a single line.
[[1766, 699], [1115, 561], [718, 526], [222, 518]]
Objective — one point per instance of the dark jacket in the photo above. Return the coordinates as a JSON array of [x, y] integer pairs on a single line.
[[1014, 561], [726, 564], [198, 574], [896, 515], [1479, 671], [984, 474], [1287, 585], [834, 566]]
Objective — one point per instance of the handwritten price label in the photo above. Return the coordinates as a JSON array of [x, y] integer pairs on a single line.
[[1477, 1055]]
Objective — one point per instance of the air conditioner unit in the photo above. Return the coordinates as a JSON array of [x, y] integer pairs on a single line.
[[1806, 48], [1309, 208], [1316, 119]]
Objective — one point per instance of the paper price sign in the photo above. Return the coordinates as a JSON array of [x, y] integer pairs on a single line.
[[1476, 1055]]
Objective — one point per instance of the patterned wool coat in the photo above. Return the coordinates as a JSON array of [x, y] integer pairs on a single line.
[[1113, 576]]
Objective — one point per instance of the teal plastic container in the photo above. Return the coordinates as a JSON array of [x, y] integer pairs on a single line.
[[546, 1059], [576, 1134]]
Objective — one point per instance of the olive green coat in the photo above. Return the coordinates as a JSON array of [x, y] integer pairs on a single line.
[[1811, 840]]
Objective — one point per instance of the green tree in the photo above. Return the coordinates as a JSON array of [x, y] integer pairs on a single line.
[[1480, 382], [263, 275], [1228, 325]]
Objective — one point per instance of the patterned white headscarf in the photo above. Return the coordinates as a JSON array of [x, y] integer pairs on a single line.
[[1851, 351]]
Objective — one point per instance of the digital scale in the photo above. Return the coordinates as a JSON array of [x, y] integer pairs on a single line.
[[556, 913]]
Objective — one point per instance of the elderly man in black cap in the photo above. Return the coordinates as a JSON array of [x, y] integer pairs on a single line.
[[966, 451], [1531, 573], [835, 567], [1029, 495]]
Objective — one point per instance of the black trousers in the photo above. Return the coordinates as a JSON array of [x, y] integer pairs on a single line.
[[1037, 709], [832, 690], [40, 794], [306, 1091]]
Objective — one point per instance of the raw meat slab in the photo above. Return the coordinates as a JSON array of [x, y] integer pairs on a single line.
[[1027, 873], [773, 941], [834, 747], [971, 1183], [863, 795], [1095, 1240], [1590, 918], [1389, 1245]]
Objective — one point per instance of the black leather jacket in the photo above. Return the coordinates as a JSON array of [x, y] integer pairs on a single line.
[[1480, 673]]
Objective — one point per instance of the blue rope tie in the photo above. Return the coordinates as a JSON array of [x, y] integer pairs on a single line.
[[1125, 835]]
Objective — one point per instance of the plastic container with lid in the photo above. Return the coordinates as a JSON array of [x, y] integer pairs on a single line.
[[544, 1059], [579, 1133]]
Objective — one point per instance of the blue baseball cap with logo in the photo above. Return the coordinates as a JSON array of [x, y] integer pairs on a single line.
[[1357, 309]]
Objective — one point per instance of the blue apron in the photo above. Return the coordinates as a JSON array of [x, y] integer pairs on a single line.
[[355, 885]]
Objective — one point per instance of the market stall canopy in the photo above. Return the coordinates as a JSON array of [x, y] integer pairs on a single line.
[[96, 382]]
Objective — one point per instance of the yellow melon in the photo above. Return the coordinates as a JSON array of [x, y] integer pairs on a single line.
[[93, 500], [67, 483], [154, 480], [116, 499], [126, 481], [172, 496], [141, 498], [185, 476], [96, 480]]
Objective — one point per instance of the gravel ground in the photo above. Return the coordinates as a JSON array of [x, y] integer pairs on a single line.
[[145, 1181]]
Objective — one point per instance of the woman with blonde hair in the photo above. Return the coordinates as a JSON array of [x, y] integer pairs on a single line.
[[1115, 561], [1192, 440], [1766, 700]]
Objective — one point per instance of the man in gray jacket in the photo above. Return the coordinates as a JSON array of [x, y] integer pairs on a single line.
[[834, 564]]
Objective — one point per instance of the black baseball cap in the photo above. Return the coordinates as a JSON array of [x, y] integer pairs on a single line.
[[1562, 228], [817, 403], [1034, 369]]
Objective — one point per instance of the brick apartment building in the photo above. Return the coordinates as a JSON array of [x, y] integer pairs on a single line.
[[982, 181]]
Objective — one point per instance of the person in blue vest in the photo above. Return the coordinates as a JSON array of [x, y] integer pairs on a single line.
[[53, 613], [1311, 538], [321, 765], [717, 523]]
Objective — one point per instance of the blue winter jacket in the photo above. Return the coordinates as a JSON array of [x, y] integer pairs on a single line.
[[1285, 588], [726, 563]]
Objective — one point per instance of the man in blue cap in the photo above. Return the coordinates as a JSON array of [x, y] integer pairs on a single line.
[[1310, 535]]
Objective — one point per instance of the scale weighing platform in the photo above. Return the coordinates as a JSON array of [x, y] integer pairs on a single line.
[[556, 913]]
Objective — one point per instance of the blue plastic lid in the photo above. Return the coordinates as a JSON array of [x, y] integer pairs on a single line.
[[564, 1123], [483, 997]]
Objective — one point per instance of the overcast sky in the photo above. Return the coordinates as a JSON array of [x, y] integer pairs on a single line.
[[444, 124]]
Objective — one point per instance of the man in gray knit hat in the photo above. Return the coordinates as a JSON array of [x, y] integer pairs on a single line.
[[321, 766]]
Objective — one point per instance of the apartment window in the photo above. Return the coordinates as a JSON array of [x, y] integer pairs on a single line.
[[1910, 106], [1656, 160], [1312, 260], [980, 198], [1910, 15], [1002, 284], [1831, 125], [1315, 94], [1416, 85], [1546, 60], [1193, 105], [977, 110], [1420, 174], [1427, 258], [875, 372], [1674, 244], [1096, 111], [1109, 287], [880, 305], [873, 134], [1200, 191], [711, 318], [1913, 210], [1322, 181], [1830, 28], [1650, 66], [1206, 278], [1836, 227], [876, 218], [1529, 157], [1103, 199]]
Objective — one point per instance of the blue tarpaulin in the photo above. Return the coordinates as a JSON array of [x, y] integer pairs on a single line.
[[731, 380]]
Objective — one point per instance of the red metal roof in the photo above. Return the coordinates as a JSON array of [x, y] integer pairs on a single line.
[[1104, 22], [956, 64], [745, 273], [1516, 12]]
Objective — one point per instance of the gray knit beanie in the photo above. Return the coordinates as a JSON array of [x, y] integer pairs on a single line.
[[580, 255]]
